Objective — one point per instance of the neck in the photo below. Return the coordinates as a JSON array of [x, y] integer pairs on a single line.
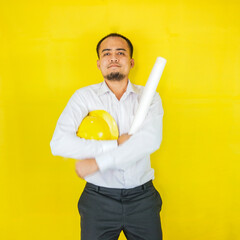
[[117, 87]]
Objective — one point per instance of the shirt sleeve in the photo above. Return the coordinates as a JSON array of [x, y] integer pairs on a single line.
[[66, 143], [142, 143]]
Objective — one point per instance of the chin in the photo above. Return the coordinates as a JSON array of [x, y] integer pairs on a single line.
[[115, 76]]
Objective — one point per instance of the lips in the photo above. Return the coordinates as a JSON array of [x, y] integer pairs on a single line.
[[113, 65]]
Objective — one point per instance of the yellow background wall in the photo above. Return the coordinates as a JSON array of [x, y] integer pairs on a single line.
[[47, 51]]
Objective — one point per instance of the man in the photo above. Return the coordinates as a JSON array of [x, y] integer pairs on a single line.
[[119, 194]]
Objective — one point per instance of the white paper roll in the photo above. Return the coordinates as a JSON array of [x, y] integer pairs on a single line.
[[148, 93]]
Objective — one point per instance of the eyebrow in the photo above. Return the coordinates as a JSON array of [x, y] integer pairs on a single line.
[[118, 49]]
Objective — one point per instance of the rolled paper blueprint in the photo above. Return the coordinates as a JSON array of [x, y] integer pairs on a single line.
[[148, 93]]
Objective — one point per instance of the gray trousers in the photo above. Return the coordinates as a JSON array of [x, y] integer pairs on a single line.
[[105, 212]]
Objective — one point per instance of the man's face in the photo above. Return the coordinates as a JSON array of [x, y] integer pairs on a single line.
[[114, 59]]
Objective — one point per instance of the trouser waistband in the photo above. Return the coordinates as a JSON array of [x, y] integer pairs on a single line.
[[119, 190]]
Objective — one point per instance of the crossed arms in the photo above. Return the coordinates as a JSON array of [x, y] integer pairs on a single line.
[[97, 155]]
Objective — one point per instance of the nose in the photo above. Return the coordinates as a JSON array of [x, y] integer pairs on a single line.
[[114, 58]]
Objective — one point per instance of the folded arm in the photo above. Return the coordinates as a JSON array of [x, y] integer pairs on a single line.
[[142, 143], [66, 143]]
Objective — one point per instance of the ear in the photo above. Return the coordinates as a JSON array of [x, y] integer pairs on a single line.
[[132, 63], [98, 64]]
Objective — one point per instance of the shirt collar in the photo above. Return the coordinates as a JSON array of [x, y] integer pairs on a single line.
[[104, 88]]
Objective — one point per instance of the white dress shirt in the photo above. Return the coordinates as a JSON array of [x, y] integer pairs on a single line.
[[124, 166]]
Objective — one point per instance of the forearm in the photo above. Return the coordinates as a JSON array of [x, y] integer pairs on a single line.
[[86, 167], [71, 146]]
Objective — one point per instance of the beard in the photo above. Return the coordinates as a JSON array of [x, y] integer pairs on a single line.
[[115, 76]]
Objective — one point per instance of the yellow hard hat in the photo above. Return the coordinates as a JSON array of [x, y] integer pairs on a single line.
[[98, 125]]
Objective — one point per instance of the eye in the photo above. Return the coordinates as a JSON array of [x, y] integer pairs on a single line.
[[106, 54], [120, 53]]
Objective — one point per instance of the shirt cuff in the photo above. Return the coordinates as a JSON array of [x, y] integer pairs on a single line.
[[104, 162], [108, 145]]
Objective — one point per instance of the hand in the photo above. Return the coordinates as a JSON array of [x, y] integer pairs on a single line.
[[86, 167], [123, 138]]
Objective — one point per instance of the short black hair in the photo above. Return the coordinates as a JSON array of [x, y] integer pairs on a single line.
[[116, 35]]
